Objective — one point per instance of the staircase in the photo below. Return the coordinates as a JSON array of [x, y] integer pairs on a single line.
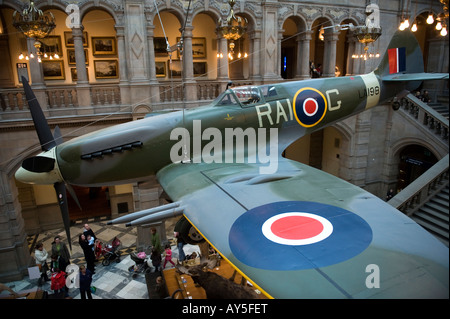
[[441, 106], [434, 215], [426, 200]]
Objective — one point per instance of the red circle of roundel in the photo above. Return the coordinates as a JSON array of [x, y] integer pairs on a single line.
[[296, 227], [300, 235], [310, 106]]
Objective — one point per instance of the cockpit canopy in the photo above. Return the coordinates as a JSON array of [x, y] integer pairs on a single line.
[[246, 95]]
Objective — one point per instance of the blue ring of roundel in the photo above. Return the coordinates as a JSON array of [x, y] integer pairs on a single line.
[[351, 235], [300, 115]]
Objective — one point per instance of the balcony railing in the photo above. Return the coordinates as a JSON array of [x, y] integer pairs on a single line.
[[13, 104]]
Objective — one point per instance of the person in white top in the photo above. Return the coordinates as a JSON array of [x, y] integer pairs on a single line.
[[41, 255]]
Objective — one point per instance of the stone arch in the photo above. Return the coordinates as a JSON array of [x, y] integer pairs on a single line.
[[12, 5], [106, 6], [212, 12], [177, 12], [139, 111], [399, 145], [51, 5], [292, 48]]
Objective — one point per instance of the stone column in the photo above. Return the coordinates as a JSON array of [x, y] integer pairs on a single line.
[[154, 84], [77, 34], [123, 71], [136, 46], [255, 48], [270, 59], [83, 88], [37, 77], [351, 50], [36, 73], [14, 255], [303, 58], [329, 63], [222, 63], [190, 91]]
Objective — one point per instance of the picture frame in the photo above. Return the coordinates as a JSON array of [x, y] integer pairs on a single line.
[[200, 68], [51, 45], [160, 69], [71, 56], [175, 68], [53, 70], [198, 48], [106, 69], [68, 39], [73, 74], [104, 46], [22, 70], [160, 46]]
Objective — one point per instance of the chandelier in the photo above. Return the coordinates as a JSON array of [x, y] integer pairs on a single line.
[[33, 23], [233, 30], [441, 20]]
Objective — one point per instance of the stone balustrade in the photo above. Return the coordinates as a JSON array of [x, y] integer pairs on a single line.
[[426, 116], [423, 188]]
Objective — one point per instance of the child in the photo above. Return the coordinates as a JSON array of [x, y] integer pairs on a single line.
[[58, 281], [168, 256], [156, 259]]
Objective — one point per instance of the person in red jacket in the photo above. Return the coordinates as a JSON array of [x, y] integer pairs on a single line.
[[58, 281]]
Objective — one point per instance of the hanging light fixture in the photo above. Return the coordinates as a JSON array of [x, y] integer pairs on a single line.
[[234, 28], [366, 35], [33, 23], [440, 19]]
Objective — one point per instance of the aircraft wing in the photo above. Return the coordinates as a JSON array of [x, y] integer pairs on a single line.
[[302, 233], [399, 77]]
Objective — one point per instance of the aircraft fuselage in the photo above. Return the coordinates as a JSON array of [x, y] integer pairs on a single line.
[[135, 150]]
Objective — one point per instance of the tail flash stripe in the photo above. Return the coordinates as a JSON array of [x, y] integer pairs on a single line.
[[397, 60]]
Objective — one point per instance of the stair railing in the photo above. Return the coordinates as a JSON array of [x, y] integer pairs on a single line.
[[435, 122], [416, 194]]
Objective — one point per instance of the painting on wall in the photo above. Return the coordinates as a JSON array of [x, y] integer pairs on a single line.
[[73, 73], [175, 68], [104, 45], [53, 70], [160, 46], [68, 39], [200, 69], [160, 69], [106, 69], [51, 45], [198, 48], [71, 56]]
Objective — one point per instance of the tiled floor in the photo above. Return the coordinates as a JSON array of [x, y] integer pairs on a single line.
[[111, 282]]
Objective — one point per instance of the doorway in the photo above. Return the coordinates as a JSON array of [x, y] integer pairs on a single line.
[[414, 161], [94, 202]]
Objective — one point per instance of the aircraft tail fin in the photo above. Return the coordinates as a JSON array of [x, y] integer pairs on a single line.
[[403, 62], [403, 56]]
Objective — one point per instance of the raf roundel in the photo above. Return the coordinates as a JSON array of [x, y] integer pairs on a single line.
[[295, 235], [310, 106]]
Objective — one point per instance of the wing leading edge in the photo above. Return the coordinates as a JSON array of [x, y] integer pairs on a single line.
[[350, 236]]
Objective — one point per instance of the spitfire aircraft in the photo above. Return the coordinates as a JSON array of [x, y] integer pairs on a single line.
[[293, 231]]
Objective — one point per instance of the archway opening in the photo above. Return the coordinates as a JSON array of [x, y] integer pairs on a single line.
[[414, 161]]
